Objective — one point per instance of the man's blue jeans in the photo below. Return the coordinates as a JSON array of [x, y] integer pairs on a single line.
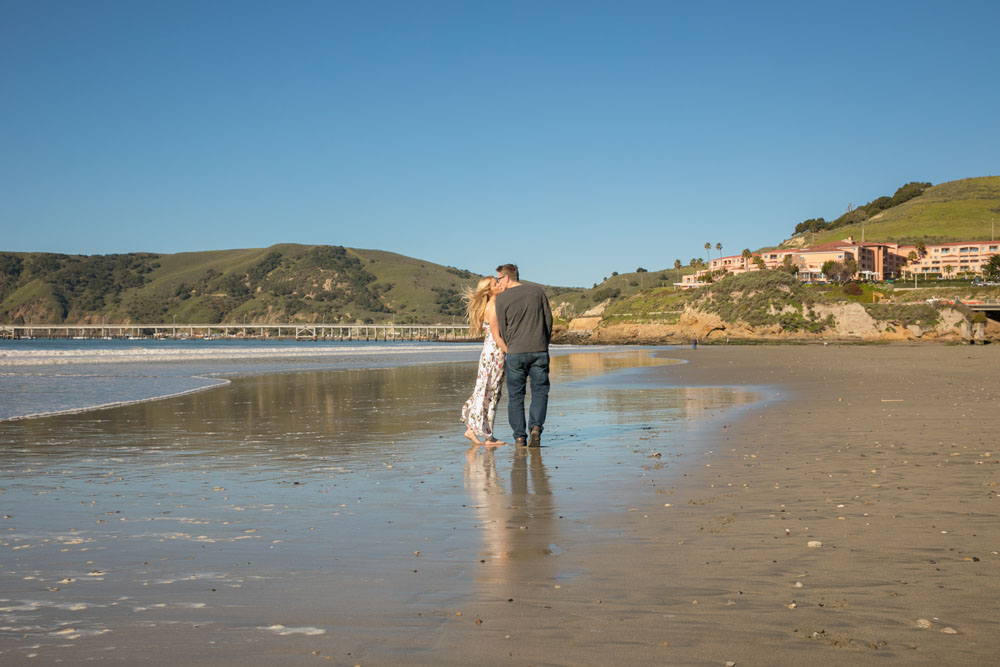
[[521, 367]]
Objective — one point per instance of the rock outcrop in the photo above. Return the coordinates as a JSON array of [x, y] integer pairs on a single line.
[[852, 322]]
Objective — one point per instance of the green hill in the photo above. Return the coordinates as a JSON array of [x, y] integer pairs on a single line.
[[282, 283], [954, 211], [285, 282]]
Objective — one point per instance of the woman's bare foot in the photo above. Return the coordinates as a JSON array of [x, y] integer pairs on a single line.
[[471, 435]]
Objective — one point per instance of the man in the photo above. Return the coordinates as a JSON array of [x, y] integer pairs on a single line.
[[525, 321]]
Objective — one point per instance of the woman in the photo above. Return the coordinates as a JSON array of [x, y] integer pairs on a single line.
[[479, 411]]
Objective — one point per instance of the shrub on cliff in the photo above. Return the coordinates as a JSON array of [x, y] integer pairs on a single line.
[[763, 298], [606, 293], [905, 313]]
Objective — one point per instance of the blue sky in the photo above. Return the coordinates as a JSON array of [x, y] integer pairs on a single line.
[[572, 138]]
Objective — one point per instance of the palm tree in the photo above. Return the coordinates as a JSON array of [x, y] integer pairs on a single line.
[[759, 262], [708, 249], [677, 267], [948, 268], [718, 246], [746, 258]]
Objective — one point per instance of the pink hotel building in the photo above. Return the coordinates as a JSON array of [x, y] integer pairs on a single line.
[[876, 261]]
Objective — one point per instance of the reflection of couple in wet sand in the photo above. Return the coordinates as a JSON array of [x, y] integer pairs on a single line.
[[517, 323], [527, 501]]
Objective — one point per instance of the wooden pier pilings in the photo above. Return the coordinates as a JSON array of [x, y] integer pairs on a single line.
[[349, 332]]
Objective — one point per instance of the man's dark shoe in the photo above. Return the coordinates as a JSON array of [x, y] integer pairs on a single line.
[[535, 438], [520, 442]]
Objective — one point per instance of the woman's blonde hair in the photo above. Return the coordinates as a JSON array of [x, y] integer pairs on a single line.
[[475, 304]]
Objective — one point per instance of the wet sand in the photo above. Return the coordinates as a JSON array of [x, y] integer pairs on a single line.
[[886, 455], [288, 518], [311, 519]]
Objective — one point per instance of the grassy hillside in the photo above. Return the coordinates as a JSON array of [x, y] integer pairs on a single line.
[[285, 282], [615, 289], [282, 283], [955, 211]]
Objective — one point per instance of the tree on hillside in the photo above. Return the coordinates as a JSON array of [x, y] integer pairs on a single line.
[[850, 269], [831, 268], [839, 272], [912, 256], [810, 225], [857, 215], [908, 192], [992, 268], [788, 265], [677, 267], [708, 249], [718, 246], [746, 257], [948, 268], [921, 247], [693, 263], [759, 262]]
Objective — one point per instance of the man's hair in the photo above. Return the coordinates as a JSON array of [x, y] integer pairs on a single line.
[[509, 270]]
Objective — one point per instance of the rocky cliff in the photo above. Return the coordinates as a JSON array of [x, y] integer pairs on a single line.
[[850, 322]]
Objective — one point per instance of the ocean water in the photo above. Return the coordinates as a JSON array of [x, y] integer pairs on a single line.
[[48, 377]]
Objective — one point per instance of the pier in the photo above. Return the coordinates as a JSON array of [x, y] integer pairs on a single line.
[[350, 332]]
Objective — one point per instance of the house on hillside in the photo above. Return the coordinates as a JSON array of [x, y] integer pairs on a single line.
[[967, 257], [874, 261]]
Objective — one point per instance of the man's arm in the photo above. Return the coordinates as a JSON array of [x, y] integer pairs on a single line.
[[501, 315], [547, 311]]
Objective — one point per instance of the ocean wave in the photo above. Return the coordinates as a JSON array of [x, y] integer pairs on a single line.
[[148, 354]]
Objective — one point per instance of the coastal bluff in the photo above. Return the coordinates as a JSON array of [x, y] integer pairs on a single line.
[[845, 322]]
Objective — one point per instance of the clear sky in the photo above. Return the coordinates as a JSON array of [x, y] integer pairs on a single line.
[[573, 138]]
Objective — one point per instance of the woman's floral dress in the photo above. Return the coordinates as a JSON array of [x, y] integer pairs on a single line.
[[479, 411]]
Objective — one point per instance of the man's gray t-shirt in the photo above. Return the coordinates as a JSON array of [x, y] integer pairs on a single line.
[[525, 319]]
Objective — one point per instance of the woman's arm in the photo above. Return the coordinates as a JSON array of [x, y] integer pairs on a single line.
[[491, 319]]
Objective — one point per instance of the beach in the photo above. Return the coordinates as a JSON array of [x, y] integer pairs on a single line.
[[883, 455], [671, 517]]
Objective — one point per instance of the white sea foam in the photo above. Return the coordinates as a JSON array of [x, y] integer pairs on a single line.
[[282, 630], [48, 357]]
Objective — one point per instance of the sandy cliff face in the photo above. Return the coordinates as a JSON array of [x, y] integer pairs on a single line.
[[852, 323], [37, 312]]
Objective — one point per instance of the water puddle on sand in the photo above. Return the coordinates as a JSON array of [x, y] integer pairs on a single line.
[[347, 500]]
